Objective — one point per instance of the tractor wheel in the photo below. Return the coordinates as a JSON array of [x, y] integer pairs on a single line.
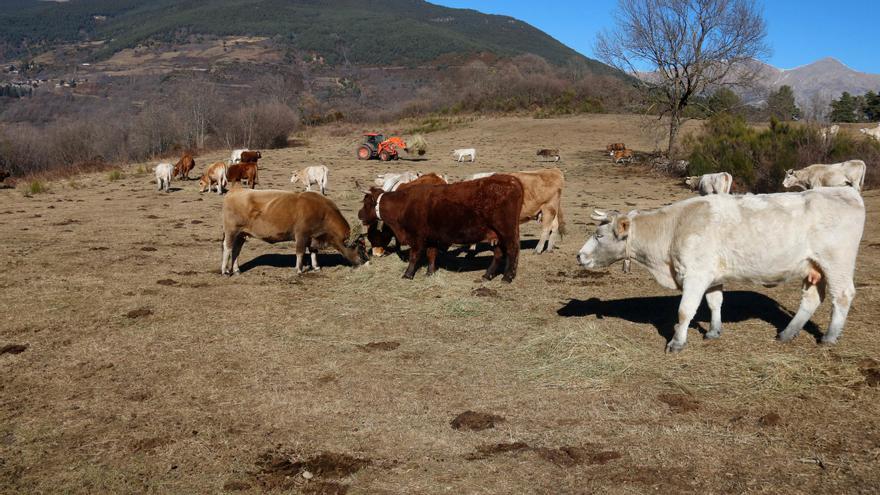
[[364, 153], [384, 156]]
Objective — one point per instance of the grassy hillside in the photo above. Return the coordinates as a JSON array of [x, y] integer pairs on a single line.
[[356, 31]]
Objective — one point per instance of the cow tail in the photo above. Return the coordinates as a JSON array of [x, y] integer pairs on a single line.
[[862, 178], [560, 221]]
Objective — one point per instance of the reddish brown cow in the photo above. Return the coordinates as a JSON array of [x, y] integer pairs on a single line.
[[250, 156], [184, 166], [242, 171], [380, 238], [432, 218]]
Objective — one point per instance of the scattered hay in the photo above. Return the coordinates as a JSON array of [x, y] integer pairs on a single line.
[[679, 403], [417, 144]]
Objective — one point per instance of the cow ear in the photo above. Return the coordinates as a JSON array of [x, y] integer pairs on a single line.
[[622, 228]]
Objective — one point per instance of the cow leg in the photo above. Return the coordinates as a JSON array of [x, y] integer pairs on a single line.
[[812, 296], [432, 260], [315, 260], [492, 271], [691, 295], [714, 298], [546, 230], [416, 251], [300, 249], [842, 294], [236, 250], [227, 253], [512, 252]]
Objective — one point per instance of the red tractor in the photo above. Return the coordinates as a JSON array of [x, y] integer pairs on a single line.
[[376, 146]]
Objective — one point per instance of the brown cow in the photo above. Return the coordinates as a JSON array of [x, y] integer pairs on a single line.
[[241, 172], [622, 155], [250, 156], [432, 218], [184, 166], [380, 237], [309, 219], [611, 148], [3, 174]]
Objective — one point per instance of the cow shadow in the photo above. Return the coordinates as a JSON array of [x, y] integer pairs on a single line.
[[275, 260], [461, 259], [662, 312]]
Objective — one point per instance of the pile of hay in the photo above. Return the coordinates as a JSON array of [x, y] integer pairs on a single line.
[[417, 144]]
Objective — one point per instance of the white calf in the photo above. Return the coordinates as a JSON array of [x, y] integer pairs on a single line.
[[460, 154], [164, 171], [316, 174]]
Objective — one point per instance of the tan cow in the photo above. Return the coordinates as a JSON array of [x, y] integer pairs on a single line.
[[214, 175], [848, 173], [542, 198], [622, 155], [309, 219], [611, 148]]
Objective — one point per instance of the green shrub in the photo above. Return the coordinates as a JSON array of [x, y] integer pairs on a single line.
[[758, 159], [115, 175], [35, 186]]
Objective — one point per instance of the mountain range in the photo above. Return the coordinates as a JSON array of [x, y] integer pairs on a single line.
[[819, 81]]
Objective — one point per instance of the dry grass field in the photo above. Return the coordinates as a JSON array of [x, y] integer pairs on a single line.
[[141, 369]]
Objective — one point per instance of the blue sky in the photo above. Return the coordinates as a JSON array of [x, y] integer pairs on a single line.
[[799, 31]]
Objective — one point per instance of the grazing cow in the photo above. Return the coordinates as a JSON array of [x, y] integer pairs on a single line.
[[611, 148], [241, 172], [4, 174], [164, 172], [236, 155], [316, 174], [873, 132], [460, 154], [848, 173], [719, 183], [380, 237], [308, 219], [432, 218], [549, 153], [622, 155], [391, 181], [829, 132], [214, 175], [699, 244], [184, 166], [250, 156]]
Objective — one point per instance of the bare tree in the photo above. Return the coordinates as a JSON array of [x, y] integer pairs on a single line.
[[687, 46]]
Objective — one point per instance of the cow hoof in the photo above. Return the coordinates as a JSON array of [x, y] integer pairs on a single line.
[[317, 268], [674, 348], [826, 342], [507, 279], [785, 338], [712, 335], [407, 276]]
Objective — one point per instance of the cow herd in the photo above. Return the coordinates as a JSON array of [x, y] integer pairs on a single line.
[[696, 245]]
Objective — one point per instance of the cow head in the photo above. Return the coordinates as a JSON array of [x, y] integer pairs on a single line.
[[380, 238], [204, 184], [791, 179], [295, 177], [608, 244], [367, 214], [360, 247], [692, 182]]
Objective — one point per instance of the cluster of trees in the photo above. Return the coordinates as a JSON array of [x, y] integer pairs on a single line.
[[780, 105], [862, 108]]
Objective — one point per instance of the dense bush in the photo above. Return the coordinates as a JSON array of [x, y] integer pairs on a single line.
[[758, 159]]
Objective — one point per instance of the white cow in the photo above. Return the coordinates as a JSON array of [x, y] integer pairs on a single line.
[[164, 171], [236, 156], [710, 183], [316, 174], [460, 154], [391, 181], [848, 173], [829, 132], [873, 132], [699, 244]]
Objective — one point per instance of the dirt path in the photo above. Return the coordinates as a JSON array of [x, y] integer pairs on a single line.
[[145, 370]]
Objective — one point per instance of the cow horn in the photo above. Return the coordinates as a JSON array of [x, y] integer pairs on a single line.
[[360, 187], [599, 215]]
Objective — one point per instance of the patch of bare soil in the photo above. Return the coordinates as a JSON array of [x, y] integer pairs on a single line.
[[148, 249], [379, 346], [870, 369], [167, 282], [236, 486], [139, 313], [277, 471], [770, 419], [573, 456], [679, 403], [486, 451], [149, 444], [13, 349], [476, 421], [484, 292]]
